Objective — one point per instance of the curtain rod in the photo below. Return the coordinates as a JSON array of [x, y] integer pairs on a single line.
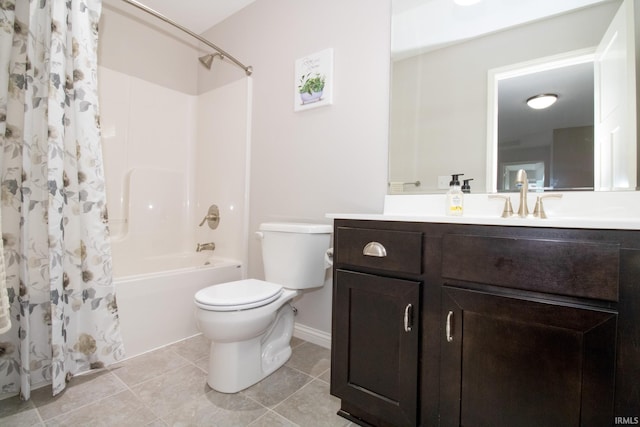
[[248, 70]]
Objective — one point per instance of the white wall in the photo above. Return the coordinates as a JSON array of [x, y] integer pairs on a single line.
[[139, 45], [329, 159]]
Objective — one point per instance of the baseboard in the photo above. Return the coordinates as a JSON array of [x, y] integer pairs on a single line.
[[315, 336]]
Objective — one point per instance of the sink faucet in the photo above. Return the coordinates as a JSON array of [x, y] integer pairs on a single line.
[[205, 247], [522, 182]]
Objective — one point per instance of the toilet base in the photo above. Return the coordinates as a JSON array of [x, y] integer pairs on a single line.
[[235, 366]]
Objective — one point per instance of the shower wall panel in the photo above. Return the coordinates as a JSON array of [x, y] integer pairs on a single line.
[[148, 141], [169, 156], [222, 165]]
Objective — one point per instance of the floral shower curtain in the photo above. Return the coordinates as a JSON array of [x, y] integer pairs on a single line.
[[54, 223]]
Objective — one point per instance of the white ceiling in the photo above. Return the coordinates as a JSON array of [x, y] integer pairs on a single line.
[[440, 21], [196, 15], [421, 25], [574, 87]]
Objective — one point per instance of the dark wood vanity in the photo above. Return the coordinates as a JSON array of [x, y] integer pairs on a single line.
[[455, 324]]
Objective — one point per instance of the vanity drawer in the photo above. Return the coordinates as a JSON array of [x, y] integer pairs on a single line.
[[397, 251], [580, 269]]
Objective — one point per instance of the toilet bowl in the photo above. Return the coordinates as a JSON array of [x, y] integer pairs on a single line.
[[250, 322]]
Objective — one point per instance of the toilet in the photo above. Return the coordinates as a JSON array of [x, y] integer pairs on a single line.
[[250, 322]]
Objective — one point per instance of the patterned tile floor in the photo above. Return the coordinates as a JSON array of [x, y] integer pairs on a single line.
[[167, 387]]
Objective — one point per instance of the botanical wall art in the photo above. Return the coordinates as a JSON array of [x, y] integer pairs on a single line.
[[313, 80]]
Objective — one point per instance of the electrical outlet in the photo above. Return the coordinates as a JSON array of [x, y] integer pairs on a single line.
[[443, 182]]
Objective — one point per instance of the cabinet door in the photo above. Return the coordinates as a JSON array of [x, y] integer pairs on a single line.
[[375, 345], [507, 361]]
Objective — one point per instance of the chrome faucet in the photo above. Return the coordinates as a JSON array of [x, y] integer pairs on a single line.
[[205, 247], [522, 182]]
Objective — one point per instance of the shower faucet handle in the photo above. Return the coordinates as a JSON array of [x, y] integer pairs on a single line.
[[212, 218], [209, 218]]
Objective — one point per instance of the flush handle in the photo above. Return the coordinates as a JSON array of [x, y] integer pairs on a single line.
[[408, 318], [374, 249], [448, 328]]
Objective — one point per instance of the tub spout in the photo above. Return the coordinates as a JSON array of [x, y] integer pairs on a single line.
[[205, 247]]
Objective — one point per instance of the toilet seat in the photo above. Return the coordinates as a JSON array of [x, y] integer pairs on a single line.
[[238, 295]]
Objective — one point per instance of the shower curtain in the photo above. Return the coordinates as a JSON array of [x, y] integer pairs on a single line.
[[57, 254]]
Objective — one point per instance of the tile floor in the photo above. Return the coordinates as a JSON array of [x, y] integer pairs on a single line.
[[167, 387]]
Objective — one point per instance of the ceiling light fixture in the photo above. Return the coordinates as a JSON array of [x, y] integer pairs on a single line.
[[466, 2], [545, 100]]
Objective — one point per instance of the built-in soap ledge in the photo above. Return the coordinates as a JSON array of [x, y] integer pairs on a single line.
[[607, 210]]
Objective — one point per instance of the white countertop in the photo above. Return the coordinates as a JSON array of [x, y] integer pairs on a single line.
[[611, 210]]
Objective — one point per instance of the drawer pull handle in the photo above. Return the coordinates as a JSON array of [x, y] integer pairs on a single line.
[[408, 318], [374, 249], [449, 319]]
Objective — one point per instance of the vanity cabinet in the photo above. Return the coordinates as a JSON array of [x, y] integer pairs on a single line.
[[376, 329], [530, 332], [511, 361], [512, 326]]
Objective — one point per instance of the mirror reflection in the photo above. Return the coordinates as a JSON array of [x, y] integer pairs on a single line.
[[442, 95], [552, 141]]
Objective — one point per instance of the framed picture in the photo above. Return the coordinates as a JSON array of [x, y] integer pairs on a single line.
[[314, 80]]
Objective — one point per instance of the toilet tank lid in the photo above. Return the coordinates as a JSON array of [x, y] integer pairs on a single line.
[[296, 227]]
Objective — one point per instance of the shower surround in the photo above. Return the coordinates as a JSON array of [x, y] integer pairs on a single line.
[[168, 156]]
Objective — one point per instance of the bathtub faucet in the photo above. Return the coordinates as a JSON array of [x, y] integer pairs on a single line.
[[205, 247]]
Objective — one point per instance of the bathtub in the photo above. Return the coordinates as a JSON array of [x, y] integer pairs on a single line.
[[155, 296]]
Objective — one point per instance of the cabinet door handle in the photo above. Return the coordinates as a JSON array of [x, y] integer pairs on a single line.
[[449, 321], [408, 318], [374, 249]]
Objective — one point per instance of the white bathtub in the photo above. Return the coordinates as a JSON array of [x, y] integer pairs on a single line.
[[155, 296]]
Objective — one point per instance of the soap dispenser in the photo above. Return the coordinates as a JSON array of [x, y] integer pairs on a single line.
[[454, 196], [466, 188]]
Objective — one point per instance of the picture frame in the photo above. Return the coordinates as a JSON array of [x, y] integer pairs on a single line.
[[313, 85]]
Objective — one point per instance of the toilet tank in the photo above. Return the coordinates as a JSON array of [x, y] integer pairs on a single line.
[[293, 253]]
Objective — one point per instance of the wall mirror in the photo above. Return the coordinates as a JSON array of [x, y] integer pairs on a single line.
[[448, 63]]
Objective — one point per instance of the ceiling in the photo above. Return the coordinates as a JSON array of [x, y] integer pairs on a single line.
[[422, 25], [442, 21], [196, 15], [574, 86]]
